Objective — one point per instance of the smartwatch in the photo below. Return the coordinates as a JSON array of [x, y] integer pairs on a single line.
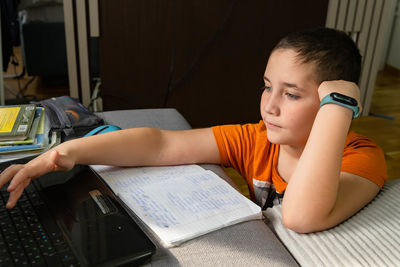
[[342, 100]]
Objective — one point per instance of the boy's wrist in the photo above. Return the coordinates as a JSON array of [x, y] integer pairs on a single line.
[[345, 89], [66, 149], [343, 101]]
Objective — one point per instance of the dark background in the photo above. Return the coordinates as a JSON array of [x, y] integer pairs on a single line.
[[205, 58]]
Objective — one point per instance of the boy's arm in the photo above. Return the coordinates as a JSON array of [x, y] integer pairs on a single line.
[[131, 147], [319, 195]]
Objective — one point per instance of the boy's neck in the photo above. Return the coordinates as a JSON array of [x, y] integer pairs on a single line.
[[287, 160], [291, 152]]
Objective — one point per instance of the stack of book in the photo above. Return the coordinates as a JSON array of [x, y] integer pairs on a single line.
[[22, 128]]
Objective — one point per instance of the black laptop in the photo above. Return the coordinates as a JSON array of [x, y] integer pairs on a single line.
[[70, 219]]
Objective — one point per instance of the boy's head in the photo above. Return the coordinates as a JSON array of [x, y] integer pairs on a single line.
[[297, 66], [334, 54]]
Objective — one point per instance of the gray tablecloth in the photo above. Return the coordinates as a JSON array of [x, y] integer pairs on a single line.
[[246, 244]]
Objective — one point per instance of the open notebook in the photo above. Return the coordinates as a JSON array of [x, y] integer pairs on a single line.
[[179, 203]]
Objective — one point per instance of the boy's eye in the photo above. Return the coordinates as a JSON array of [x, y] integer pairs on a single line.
[[266, 88], [292, 96]]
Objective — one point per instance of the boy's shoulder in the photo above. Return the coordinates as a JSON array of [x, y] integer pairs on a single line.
[[249, 134], [365, 158], [355, 139], [247, 127]]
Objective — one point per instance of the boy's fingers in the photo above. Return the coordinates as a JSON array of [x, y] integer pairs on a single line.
[[31, 170], [24, 174], [14, 196], [19, 178], [9, 173]]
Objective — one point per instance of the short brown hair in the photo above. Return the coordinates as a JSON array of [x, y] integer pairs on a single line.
[[335, 54]]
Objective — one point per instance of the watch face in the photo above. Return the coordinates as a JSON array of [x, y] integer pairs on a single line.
[[344, 99]]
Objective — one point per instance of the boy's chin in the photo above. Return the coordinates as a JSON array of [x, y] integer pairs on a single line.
[[274, 139], [281, 140]]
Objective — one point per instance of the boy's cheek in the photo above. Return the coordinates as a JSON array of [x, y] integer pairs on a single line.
[[302, 123]]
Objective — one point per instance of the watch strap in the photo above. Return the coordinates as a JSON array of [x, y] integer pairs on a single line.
[[329, 99]]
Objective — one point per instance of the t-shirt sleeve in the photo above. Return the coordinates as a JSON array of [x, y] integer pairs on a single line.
[[234, 144], [364, 158]]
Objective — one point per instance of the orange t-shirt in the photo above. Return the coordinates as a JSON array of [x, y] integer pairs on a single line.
[[247, 149]]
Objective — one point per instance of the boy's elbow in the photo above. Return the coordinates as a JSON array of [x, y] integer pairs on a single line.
[[302, 224], [295, 225]]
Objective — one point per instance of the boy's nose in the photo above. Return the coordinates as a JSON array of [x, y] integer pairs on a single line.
[[271, 105]]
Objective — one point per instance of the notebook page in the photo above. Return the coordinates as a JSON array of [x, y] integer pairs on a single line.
[[120, 178], [186, 206]]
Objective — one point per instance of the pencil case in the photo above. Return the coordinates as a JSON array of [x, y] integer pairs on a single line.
[[68, 116]]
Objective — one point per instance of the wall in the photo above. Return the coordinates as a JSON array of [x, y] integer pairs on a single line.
[[204, 58], [393, 58]]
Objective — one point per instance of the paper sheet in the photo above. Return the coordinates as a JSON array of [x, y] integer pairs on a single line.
[[179, 203], [120, 178]]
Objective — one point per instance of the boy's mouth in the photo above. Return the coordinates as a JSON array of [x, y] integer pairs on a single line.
[[270, 125]]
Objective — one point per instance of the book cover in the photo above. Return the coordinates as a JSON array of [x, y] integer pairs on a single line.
[[31, 137], [16, 121], [36, 145]]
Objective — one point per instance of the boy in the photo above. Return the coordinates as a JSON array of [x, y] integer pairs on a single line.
[[301, 147]]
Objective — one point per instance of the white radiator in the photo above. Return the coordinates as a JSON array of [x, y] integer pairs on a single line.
[[366, 21]]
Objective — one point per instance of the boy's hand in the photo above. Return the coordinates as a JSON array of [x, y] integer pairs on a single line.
[[21, 174], [343, 87]]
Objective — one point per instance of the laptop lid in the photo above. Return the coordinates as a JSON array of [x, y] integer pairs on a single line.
[[91, 218]]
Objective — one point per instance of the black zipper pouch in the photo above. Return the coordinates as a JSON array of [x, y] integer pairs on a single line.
[[68, 116]]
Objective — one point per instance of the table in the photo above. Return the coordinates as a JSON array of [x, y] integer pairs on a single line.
[[250, 243]]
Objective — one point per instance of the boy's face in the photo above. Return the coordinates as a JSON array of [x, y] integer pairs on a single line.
[[290, 101]]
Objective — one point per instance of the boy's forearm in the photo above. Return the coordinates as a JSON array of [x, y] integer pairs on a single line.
[[312, 190], [131, 147]]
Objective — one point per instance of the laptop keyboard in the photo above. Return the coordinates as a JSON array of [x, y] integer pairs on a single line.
[[26, 240]]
